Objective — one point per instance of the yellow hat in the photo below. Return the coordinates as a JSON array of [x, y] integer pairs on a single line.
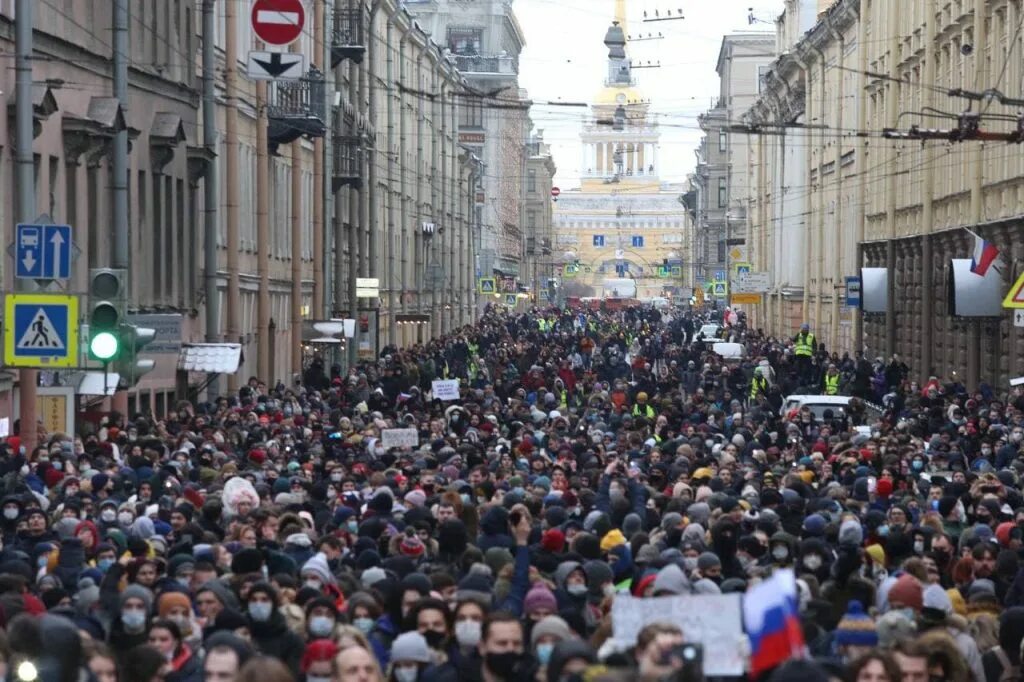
[[807, 476], [877, 554], [641, 397], [703, 472], [612, 539], [957, 599]]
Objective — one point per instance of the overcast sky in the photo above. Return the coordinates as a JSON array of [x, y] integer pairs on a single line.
[[565, 60]]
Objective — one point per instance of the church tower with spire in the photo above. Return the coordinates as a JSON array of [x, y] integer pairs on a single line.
[[620, 143]]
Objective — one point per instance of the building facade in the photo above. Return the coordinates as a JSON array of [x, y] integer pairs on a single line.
[[905, 207], [485, 40], [623, 222], [538, 214], [722, 173], [319, 181]]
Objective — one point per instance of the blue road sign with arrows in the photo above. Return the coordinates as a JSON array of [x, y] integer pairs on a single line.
[[42, 252]]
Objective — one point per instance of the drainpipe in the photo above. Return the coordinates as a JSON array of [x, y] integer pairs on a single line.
[[233, 324], [403, 139], [119, 172], [211, 188], [977, 173], [392, 283], [319, 53], [891, 120], [263, 325], [862, 149], [928, 212]]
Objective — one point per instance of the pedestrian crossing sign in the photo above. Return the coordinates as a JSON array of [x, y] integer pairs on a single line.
[[1015, 296], [486, 285], [511, 300], [41, 330]]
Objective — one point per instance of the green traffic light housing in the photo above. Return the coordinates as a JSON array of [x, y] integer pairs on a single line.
[[132, 339], [107, 312]]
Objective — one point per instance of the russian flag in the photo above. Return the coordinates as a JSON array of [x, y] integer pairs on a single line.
[[985, 253], [771, 618]]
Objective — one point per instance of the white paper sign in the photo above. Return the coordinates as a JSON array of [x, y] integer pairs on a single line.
[[445, 389], [713, 620], [5, 427], [399, 438]]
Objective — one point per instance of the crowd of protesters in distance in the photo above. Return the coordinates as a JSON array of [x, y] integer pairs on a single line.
[[270, 535]]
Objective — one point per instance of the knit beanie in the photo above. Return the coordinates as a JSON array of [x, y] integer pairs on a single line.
[[894, 627], [410, 646], [850, 533], [540, 597], [553, 540], [411, 546], [708, 560], [139, 592], [907, 592], [856, 628], [170, 600], [550, 626], [612, 539]]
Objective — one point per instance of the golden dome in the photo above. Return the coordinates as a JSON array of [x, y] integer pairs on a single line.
[[625, 95]]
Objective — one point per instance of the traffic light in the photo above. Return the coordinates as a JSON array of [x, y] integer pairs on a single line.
[[132, 339], [107, 310]]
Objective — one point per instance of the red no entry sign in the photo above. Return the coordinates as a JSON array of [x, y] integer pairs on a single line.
[[555, 191], [278, 22]]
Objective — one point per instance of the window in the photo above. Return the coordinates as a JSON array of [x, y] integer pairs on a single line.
[[465, 41], [723, 141], [722, 193], [762, 71], [531, 220], [598, 240], [638, 241], [471, 113], [531, 180]]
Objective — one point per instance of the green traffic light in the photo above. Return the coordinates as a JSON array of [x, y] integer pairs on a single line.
[[103, 346]]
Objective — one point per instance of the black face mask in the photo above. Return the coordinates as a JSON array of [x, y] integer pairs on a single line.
[[503, 665], [435, 638]]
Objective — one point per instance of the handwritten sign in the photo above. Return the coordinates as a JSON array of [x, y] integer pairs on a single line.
[[713, 620], [445, 389], [399, 438]]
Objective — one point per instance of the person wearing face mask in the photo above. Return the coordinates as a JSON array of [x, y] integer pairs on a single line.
[[183, 663], [470, 612], [270, 633], [321, 618], [176, 607], [410, 657], [128, 630], [782, 548], [545, 635]]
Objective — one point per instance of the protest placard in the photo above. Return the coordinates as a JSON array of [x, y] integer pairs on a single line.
[[445, 389], [714, 621], [399, 438]]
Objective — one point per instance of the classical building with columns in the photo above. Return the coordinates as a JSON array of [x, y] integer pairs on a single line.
[[622, 222]]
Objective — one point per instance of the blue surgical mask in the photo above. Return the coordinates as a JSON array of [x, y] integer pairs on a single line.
[[353, 526], [364, 625], [134, 620], [918, 465], [321, 626], [544, 652], [260, 611], [883, 530], [105, 564]]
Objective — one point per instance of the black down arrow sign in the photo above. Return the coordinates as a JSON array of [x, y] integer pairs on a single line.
[[275, 67]]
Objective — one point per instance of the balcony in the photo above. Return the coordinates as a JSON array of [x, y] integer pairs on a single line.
[[347, 34], [348, 163], [297, 108], [491, 67]]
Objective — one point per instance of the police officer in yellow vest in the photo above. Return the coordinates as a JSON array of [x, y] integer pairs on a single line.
[[641, 408], [831, 380], [804, 345], [758, 385]]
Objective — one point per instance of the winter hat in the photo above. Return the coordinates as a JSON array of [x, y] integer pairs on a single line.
[[550, 626], [169, 600], [894, 627], [705, 586], [411, 546], [883, 488], [134, 590], [671, 580], [410, 646], [540, 597], [850, 533], [249, 560], [708, 560], [553, 540], [416, 498], [814, 526], [648, 554], [876, 554], [317, 566], [946, 505], [614, 538], [906, 592], [631, 525], [856, 628], [982, 591], [372, 576]]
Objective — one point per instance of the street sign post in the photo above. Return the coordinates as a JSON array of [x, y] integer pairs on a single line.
[[486, 285], [853, 292], [752, 283], [278, 22], [42, 252], [270, 66], [41, 330]]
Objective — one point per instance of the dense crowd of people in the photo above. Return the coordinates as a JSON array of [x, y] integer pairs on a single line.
[[269, 535]]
